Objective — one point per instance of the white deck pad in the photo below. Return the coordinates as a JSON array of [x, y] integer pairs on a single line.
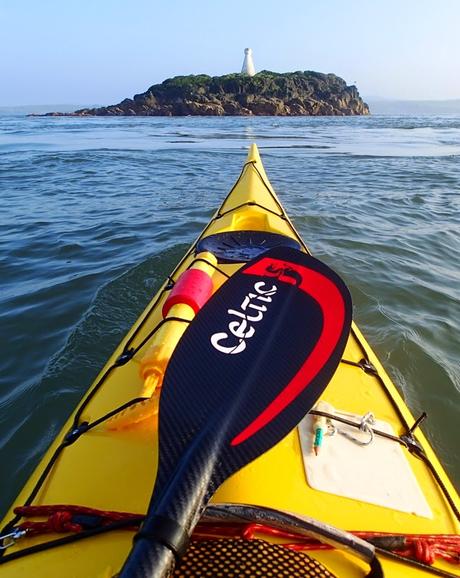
[[378, 473]]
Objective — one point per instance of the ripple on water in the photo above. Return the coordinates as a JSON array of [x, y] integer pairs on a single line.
[[47, 393]]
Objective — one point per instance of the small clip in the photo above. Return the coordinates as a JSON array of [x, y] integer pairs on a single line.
[[10, 539], [367, 366], [364, 425], [124, 357]]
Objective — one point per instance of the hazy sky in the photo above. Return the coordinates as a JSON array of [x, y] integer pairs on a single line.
[[101, 51]]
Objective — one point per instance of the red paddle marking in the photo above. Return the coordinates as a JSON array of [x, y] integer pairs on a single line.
[[329, 298]]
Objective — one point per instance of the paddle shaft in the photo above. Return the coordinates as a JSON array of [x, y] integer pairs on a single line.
[[149, 560], [181, 504]]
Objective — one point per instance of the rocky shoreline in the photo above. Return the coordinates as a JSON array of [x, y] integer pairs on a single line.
[[265, 94]]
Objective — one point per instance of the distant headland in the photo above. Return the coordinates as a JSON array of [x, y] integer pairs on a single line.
[[263, 94]]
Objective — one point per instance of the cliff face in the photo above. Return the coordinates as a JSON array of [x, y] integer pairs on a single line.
[[266, 93]]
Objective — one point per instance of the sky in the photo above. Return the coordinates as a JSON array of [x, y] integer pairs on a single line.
[[101, 51]]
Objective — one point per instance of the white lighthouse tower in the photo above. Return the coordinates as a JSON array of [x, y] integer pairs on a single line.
[[248, 63]]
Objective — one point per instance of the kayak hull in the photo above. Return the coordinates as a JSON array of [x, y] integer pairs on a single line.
[[114, 469]]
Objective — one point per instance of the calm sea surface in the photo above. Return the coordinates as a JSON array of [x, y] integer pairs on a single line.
[[95, 212]]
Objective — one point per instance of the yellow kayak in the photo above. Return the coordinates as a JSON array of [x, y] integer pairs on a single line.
[[352, 489]]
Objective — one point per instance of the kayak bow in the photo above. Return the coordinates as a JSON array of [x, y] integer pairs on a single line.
[[229, 356]]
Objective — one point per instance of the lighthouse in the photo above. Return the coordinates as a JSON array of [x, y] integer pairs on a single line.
[[248, 63]]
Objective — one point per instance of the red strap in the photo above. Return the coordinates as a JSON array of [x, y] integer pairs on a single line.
[[61, 518], [423, 547]]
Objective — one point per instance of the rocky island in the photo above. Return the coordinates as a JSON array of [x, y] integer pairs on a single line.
[[265, 94]]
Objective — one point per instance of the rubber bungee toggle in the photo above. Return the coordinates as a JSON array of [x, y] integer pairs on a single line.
[[190, 292]]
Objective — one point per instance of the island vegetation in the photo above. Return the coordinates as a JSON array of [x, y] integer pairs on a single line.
[[267, 93]]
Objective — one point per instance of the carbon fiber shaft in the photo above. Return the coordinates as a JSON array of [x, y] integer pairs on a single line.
[[149, 561]]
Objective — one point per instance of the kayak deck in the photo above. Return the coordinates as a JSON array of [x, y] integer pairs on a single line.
[[115, 470]]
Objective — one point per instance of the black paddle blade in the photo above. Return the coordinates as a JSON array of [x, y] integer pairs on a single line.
[[249, 367]]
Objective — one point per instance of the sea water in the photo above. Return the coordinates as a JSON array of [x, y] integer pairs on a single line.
[[95, 212]]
